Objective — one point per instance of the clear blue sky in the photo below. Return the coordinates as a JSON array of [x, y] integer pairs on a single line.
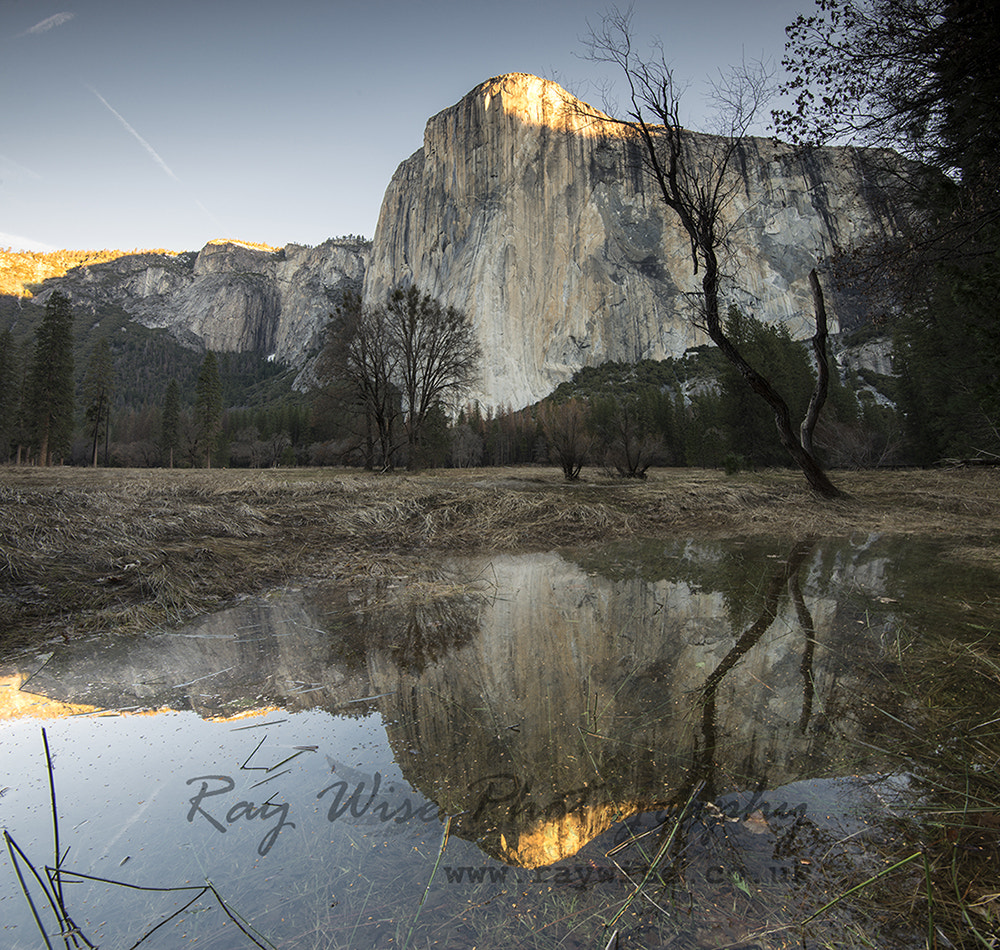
[[166, 123]]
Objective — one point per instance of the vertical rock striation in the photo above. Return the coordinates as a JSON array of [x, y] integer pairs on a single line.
[[530, 210]]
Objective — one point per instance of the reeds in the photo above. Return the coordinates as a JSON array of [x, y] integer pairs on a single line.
[[54, 902]]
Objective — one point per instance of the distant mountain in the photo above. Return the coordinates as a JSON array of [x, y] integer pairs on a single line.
[[231, 296], [20, 270]]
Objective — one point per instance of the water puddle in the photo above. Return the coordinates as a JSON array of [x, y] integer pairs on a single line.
[[687, 744]]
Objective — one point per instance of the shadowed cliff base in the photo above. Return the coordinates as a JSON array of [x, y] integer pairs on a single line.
[[86, 551]]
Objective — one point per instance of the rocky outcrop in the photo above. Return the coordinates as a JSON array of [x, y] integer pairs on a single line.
[[530, 211], [229, 296]]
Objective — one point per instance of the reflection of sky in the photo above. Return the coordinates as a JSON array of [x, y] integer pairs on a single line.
[[123, 794]]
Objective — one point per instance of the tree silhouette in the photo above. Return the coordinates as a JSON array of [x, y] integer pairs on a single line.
[[51, 381], [697, 177]]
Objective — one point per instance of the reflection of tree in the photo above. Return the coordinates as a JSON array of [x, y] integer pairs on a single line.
[[738, 571], [571, 701], [808, 651], [783, 578]]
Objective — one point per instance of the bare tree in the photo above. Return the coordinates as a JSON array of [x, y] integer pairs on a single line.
[[625, 428], [360, 363], [567, 431], [438, 357], [697, 177], [398, 362]]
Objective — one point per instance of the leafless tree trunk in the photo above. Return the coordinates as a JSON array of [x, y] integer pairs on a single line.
[[399, 361], [568, 436], [695, 178], [822, 366]]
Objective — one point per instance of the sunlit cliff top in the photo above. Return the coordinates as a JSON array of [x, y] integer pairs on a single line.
[[20, 269], [544, 102]]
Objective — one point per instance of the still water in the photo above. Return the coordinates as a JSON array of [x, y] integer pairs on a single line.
[[687, 744]]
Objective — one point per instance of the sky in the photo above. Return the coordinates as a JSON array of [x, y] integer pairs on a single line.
[[169, 123]]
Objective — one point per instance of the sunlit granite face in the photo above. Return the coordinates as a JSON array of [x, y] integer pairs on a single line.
[[532, 211]]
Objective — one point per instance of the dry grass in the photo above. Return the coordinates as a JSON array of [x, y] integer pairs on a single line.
[[85, 550]]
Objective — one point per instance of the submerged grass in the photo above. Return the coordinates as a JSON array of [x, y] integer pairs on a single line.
[[952, 680], [89, 550], [939, 844]]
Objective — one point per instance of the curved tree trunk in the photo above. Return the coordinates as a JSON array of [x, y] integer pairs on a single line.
[[807, 462], [822, 367]]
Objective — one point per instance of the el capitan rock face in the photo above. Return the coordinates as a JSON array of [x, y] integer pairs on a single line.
[[531, 211]]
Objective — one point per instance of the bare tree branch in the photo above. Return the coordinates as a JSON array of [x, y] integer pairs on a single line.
[[695, 177]]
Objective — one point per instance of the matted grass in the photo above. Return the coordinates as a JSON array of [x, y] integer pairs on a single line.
[[86, 550]]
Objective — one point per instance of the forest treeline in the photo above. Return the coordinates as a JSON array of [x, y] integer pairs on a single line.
[[140, 400]]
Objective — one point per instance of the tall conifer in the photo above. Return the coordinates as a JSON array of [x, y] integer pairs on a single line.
[[170, 425], [51, 382], [208, 405], [9, 392], [98, 384]]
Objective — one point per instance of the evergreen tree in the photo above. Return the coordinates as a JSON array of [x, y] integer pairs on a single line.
[[170, 423], [98, 384], [208, 406], [948, 360], [9, 393], [51, 381]]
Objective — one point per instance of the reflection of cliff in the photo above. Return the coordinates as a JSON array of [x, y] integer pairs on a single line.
[[584, 698], [252, 656], [297, 650], [550, 698]]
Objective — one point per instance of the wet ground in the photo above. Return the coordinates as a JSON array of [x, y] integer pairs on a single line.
[[691, 744]]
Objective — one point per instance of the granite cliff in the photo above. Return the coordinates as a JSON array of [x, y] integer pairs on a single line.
[[531, 211]]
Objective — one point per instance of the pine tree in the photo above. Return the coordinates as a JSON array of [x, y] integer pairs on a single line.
[[98, 384], [208, 406], [51, 381], [9, 393], [170, 425]]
